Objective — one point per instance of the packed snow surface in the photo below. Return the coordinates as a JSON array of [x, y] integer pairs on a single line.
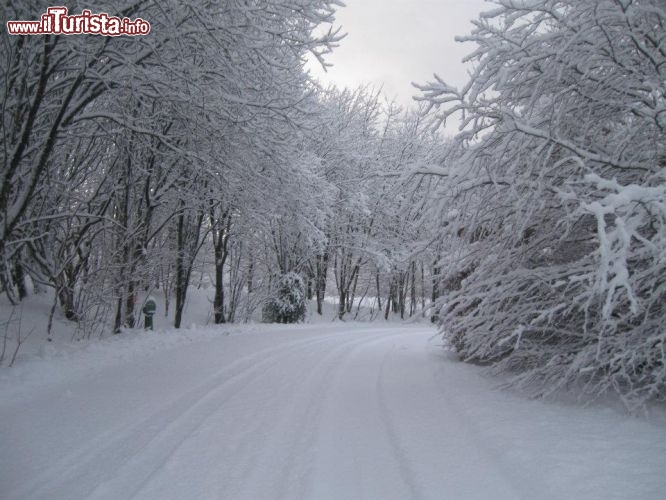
[[328, 411]]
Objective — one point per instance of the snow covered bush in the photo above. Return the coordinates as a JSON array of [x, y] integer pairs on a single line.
[[557, 253], [288, 303]]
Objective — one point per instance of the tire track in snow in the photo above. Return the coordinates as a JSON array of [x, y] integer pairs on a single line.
[[354, 457], [300, 425], [117, 444], [474, 436], [137, 473], [463, 442], [399, 453], [241, 456]]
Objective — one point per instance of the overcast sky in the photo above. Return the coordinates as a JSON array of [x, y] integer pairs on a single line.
[[395, 42]]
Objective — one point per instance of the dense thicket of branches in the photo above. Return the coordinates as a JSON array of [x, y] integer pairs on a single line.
[[199, 154], [122, 155], [554, 200]]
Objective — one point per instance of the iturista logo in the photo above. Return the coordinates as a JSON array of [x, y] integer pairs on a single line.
[[56, 21]]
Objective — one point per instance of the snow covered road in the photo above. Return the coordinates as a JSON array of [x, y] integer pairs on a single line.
[[309, 412]]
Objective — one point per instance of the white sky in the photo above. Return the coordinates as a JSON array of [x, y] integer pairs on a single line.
[[395, 42]]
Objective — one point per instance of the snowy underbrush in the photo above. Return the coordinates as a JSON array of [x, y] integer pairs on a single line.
[[25, 342], [69, 356], [583, 309], [557, 252]]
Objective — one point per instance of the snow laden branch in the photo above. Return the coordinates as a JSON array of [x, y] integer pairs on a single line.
[[148, 142], [555, 256]]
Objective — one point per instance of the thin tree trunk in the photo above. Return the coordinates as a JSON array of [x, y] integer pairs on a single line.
[[395, 294], [218, 301], [342, 305], [322, 271], [388, 301], [130, 301], [412, 302], [118, 320], [19, 280], [188, 247], [250, 274], [310, 278], [435, 288], [66, 297], [181, 286], [422, 289], [356, 273], [221, 248], [402, 294]]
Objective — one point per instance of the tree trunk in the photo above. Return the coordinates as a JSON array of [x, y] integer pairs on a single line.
[[250, 275], [181, 285], [221, 227], [118, 320], [130, 301], [342, 305], [218, 301], [412, 302], [422, 290], [322, 271], [19, 281], [66, 298], [402, 294], [188, 246], [435, 288], [388, 302], [352, 296]]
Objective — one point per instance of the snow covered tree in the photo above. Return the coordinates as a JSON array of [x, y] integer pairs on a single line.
[[117, 135], [553, 213], [287, 305]]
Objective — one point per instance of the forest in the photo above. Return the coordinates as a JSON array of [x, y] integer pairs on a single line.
[[206, 154]]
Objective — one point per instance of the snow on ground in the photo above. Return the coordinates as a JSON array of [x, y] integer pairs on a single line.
[[326, 411]]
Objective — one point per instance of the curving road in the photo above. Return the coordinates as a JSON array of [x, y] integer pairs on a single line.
[[325, 412]]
